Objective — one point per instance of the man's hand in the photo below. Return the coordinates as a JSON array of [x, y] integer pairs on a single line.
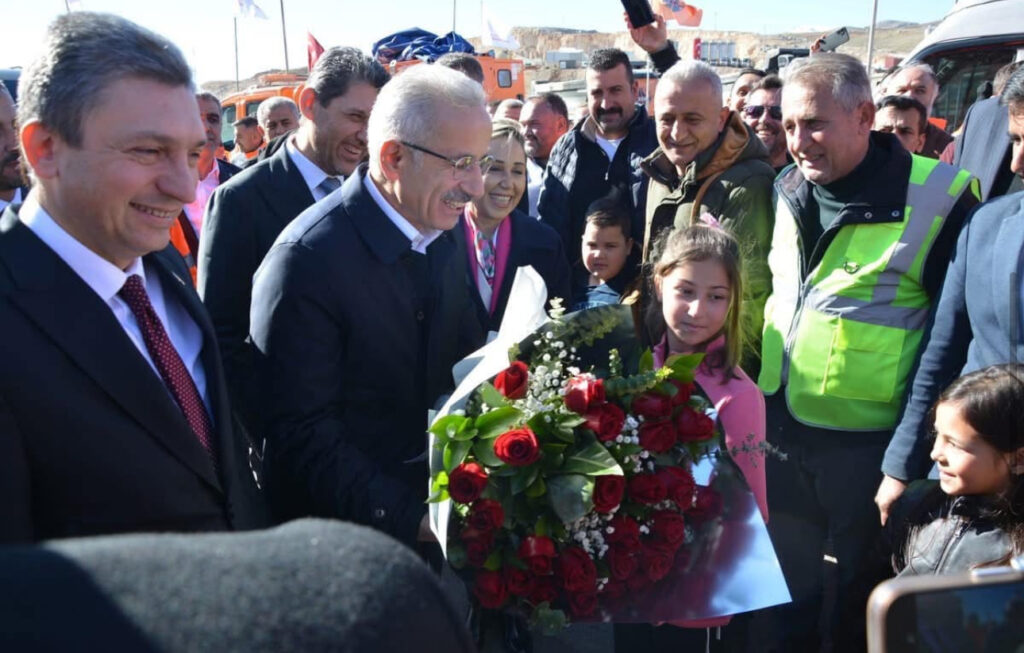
[[425, 534], [889, 490], [651, 37]]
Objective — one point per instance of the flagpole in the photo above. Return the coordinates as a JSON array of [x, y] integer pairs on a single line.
[[871, 35], [67, 5], [454, 3], [237, 86], [284, 38]]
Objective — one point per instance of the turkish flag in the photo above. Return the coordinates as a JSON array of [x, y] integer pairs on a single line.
[[313, 49], [684, 14]]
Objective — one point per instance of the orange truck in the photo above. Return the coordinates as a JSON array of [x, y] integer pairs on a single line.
[[503, 79]]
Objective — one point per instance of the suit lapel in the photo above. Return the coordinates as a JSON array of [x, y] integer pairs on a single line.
[[462, 251], [63, 307], [286, 191]]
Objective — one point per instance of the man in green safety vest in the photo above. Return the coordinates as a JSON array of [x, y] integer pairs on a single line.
[[863, 234]]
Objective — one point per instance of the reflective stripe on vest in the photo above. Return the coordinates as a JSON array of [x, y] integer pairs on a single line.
[[844, 341]]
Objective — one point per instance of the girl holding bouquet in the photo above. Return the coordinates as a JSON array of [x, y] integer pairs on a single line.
[[697, 290]]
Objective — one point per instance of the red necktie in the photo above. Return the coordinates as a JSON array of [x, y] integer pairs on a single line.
[[167, 361]]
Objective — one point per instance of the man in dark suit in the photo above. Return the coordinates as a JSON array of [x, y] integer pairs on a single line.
[[245, 215], [114, 414], [361, 308], [11, 191], [977, 321]]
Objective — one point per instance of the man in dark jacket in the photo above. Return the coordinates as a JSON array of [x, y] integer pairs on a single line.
[[361, 308], [601, 153]]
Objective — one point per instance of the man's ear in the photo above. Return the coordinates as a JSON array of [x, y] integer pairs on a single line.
[[307, 97], [723, 117], [393, 157], [866, 116], [40, 147]]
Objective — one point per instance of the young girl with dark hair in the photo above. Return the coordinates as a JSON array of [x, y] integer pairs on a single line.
[[973, 516]]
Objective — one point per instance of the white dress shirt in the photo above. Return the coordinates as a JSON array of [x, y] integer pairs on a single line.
[[14, 200], [418, 240], [106, 280], [534, 181], [311, 172]]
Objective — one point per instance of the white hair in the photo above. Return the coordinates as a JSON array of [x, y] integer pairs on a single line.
[[683, 72], [410, 105], [267, 106]]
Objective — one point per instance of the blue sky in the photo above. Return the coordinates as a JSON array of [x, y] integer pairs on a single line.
[[203, 28]]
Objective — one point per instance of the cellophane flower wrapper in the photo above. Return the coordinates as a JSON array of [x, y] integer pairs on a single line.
[[572, 481]]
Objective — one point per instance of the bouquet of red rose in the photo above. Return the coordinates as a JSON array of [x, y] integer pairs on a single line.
[[570, 487]]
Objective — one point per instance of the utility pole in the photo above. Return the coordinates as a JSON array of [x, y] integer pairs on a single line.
[[284, 38], [871, 35], [235, 19], [454, 3]]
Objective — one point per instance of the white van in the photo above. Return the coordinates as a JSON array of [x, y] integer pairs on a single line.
[[973, 41]]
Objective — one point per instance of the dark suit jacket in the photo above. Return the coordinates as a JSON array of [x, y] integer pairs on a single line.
[[533, 243], [977, 323], [243, 218], [91, 441], [226, 170], [983, 146], [350, 362]]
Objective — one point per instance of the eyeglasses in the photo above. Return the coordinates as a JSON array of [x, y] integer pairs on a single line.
[[461, 164], [755, 111]]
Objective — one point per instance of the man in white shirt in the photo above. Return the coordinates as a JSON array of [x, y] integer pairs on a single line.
[[361, 308], [544, 118], [247, 213], [10, 171], [113, 410]]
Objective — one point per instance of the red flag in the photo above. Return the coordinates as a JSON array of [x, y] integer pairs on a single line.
[[313, 49], [684, 14]]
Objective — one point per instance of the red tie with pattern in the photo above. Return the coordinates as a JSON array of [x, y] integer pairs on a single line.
[[167, 361]]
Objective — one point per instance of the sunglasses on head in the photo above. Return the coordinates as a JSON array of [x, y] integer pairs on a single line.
[[755, 111]]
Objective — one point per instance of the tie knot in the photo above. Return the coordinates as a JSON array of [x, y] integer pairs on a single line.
[[329, 185]]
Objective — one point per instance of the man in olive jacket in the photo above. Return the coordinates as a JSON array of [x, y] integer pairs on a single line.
[[708, 161]]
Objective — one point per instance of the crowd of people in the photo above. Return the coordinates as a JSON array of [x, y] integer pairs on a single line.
[[196, 345]]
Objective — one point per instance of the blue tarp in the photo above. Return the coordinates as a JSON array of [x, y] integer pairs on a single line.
[[418, 44]]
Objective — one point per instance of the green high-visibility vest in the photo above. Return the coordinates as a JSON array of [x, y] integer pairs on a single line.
[[843, 340]]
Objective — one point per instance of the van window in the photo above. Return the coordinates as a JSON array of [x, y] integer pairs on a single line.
[[251, 107], [960, 72], [504, 78], [227, 132]]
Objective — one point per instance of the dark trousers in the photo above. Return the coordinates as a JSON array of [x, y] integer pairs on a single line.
[[822, 498]]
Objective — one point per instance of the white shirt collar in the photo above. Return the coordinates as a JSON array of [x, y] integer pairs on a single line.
[[105, 278], [418, 240], [14, 200], [311, 172]]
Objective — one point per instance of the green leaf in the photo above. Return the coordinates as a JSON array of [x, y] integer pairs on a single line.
[[593, 460], [445, 428], [440, 497], [683, 366], [570, 420], [465, 434], [548, 621], [483, 450], [542, 528], [454, 453], [536, 489], [646, 361], [492, 397], [493, 562], [494, 423], [525, 478], [440, 481], [571, 496]]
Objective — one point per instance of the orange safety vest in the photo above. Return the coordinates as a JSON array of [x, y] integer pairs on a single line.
[[184, 239]]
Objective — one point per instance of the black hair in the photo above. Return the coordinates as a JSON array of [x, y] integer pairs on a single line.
[[605, 59], [464, 63], [768, 83], [554, 102], [248, 121], [610, 212], [338, 68], [906, 103]]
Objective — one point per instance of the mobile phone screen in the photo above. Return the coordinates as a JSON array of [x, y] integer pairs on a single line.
[[639, 12], [983, 618]]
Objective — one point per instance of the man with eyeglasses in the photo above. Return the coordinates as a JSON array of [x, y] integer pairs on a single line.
[[361, 308], [708, 161], [763, 114], [245, 215]]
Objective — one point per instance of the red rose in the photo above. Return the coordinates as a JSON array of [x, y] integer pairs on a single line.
[[638, 581], [538, 552], [621, 562], [512, 382], [655, 562], [692, 426], [583, 392], [606, 421], [613, 590], [490, 589], [517, 447], [680, 484], [658, 436], [576, 570], [544, 590], [518, 581], [486, 515], [608, 492], [707, 503], [580, 605], [651, 405], [625, 531], [683, 392], [478, 545], [466, 482], [647, 488], [669, 527]]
